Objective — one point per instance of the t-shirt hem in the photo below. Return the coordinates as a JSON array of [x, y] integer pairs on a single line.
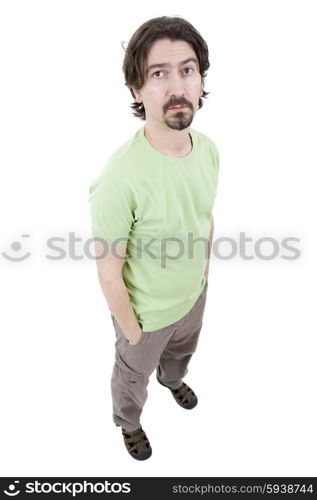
[[158, 326]]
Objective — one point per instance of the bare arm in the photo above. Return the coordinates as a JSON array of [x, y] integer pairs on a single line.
[[110, 261], [211, 234]]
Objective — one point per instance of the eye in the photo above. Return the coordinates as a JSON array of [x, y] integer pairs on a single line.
[[191, 70], [155, 73]]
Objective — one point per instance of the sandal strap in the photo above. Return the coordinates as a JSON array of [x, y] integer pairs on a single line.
[[136, 441], [184, 392]]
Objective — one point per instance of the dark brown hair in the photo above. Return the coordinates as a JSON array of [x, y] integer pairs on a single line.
[[173, 28]]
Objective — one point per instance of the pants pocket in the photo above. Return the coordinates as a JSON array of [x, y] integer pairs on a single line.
[[140, 342], [129, 375], [118, 329]]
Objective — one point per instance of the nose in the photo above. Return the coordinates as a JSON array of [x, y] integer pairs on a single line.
[[176, 85]]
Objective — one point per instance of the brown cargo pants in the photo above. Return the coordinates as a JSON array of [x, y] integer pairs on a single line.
[[168, 349]]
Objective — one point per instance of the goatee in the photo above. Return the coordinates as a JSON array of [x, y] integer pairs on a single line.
[[179, 121]]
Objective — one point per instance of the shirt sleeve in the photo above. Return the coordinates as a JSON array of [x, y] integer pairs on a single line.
[[111, 209], [215, 155], [214, 169]]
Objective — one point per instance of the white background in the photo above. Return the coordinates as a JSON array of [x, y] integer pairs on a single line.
[[64, 109]]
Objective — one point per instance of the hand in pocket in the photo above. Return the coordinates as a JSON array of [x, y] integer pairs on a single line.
[[135, 339]]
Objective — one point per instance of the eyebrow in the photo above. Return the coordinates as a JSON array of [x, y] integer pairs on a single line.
[[163, 65]]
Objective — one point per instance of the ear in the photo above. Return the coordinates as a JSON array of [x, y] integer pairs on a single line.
[[137, 95]]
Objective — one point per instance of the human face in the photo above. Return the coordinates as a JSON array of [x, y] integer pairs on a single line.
[[172, 78]]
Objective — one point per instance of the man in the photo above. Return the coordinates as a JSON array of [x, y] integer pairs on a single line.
[[151, 211]]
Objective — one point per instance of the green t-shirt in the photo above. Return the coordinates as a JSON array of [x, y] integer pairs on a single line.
[[162, 207]]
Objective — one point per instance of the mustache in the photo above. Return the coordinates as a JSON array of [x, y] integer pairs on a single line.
[[177, 102]]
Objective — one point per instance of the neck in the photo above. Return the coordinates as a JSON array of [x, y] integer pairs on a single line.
[[171, 142]]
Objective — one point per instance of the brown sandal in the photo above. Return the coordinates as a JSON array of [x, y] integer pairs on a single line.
[[184, 395], [137, 444]]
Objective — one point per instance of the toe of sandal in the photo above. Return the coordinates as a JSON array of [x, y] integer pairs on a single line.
[[185, 396], [137, 444]]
